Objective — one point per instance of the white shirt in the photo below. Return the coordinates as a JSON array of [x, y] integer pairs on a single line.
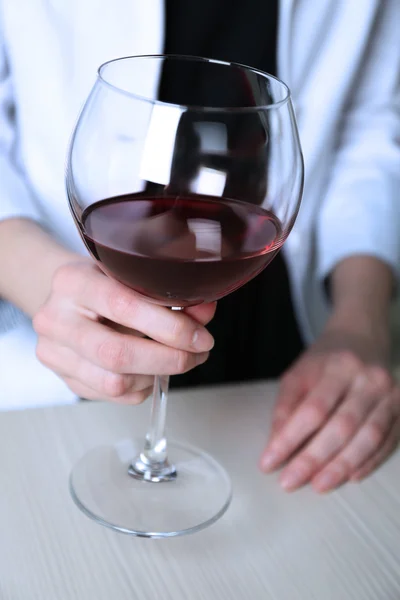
[[341, 60]]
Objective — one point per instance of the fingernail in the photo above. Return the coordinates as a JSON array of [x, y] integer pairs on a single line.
[[324, 482], [202, 340], [269, 460], [290, 480]]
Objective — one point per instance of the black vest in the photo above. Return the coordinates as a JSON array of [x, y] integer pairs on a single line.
[[255, 328]]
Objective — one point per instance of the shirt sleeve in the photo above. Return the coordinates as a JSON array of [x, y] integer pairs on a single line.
[[360, 214], [16, 200]]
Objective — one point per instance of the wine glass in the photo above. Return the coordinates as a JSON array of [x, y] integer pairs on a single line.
[[184, 178]]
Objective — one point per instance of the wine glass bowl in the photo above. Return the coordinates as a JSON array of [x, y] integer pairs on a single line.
[[184, 178]]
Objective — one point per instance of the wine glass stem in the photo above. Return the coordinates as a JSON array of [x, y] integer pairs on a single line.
[[152, 463], [155, 448]]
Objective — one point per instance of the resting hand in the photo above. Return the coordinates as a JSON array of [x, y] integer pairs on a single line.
[[337, 413]]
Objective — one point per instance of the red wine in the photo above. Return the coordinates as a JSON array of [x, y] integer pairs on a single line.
[[181, 251]]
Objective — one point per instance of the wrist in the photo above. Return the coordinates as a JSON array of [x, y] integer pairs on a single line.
[[358, 314], [362, 288], [31, 258], [370, 330]]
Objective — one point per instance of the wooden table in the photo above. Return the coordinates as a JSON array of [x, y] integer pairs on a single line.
[[269, 545]]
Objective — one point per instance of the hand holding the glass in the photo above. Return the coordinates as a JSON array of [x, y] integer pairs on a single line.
[[91, 333]]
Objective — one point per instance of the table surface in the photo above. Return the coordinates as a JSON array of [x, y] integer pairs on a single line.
[[269, 545]]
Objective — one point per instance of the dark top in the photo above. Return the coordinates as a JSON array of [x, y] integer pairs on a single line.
[[255, 328]]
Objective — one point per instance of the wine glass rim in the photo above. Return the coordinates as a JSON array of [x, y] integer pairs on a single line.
[[241, 109]]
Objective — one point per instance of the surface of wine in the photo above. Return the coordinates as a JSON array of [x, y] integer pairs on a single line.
[[181, 251]]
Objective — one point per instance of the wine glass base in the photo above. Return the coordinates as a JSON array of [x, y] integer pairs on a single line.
[[103, 489]]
